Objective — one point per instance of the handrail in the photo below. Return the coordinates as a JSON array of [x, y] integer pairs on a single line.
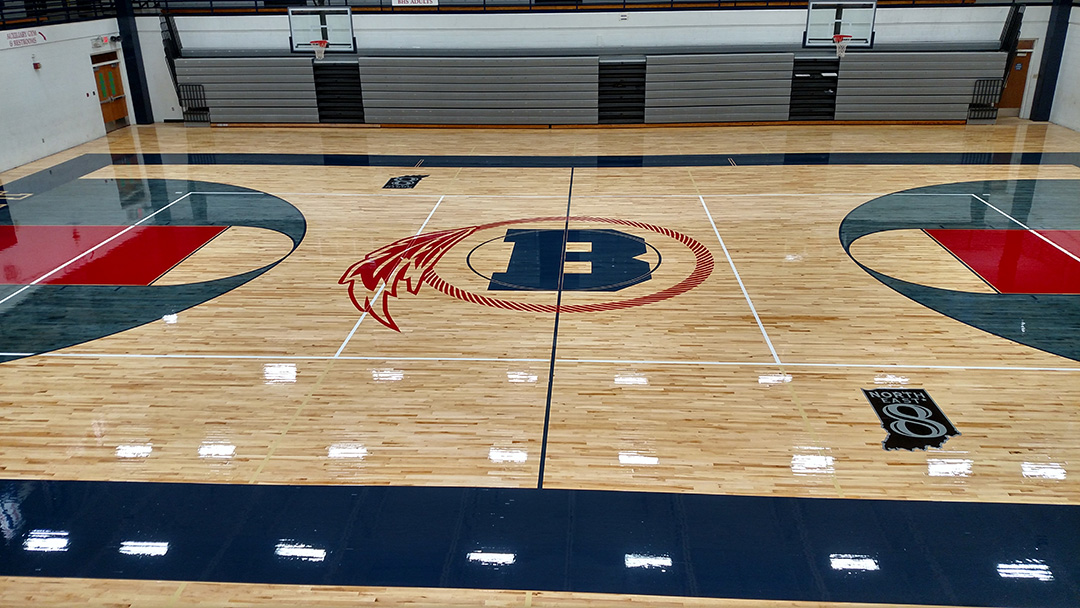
[[215, 7], [16, 14], [30, 13]]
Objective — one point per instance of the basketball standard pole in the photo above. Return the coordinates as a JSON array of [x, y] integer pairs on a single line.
[[133, 62], [1056, 32]]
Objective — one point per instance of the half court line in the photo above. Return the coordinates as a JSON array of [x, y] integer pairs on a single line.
[[735, 271], [555, 334], [91, 250], [383, 286]]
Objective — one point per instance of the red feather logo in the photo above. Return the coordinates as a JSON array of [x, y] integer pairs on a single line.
[[410, 259], [413, 261]]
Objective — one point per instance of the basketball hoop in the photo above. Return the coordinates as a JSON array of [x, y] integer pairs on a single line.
[[841, 41], [320, 48]]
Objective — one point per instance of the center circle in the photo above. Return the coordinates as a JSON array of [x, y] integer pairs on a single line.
[[703, 267]]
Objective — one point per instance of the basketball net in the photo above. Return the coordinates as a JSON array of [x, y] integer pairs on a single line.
[[841, 41], [320, 48]]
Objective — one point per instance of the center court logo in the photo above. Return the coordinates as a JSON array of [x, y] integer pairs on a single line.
[[533, 265]]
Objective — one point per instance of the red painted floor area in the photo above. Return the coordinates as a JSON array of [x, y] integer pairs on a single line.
[[137, 257], [31, 251], [1017, 261], [1068, 240]]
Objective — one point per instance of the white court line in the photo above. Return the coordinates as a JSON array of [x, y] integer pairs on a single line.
[[268, 357], [488, 359], [885, 366], [383, 286], [932, 193], [1003, 368], [589, 196], [1025, 227], [833, 365], [253, 193], [731, 262], [902, 193], [358, 322], [401, 195], [799, 194], [92, 249], [670, 362]]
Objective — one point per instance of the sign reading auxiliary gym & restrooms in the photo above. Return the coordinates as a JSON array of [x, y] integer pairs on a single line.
[[20, 38]]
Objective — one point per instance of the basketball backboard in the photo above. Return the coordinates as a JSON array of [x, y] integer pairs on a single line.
[[827, 18], [321, 23]]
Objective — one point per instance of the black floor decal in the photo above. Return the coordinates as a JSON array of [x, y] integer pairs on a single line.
[[403, 182], [912, 419]]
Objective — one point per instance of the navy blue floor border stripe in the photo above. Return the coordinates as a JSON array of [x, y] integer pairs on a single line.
[[628, 161], [769, 548], [87, 163], [58, 174]]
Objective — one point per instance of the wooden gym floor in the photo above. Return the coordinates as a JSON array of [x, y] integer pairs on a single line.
[[724, 365]]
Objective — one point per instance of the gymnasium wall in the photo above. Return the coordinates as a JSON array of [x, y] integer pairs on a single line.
[[607, 32], [1066, 109], [599, 31], [52, 109], [46, 111]]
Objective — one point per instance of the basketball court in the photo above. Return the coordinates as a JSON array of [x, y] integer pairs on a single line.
[[817, 365]]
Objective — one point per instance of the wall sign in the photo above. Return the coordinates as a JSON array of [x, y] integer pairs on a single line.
[[20, 38], [911, 418]]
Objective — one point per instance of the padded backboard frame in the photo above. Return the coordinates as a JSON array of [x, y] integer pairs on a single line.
[[333, 24], [826, 18]]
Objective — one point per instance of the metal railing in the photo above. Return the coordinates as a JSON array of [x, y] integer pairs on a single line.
[[215, 7], [221, 7], [984, 99], [16, 14], [30, 13]]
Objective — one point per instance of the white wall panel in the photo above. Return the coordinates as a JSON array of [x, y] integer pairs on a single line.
[[1066, 109], [49, 110], [592, 30]]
